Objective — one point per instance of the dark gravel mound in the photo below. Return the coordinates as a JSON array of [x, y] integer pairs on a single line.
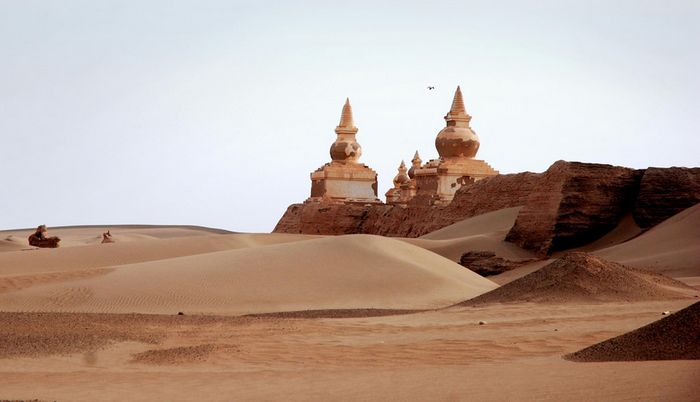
[[582, 277], [676, 337]]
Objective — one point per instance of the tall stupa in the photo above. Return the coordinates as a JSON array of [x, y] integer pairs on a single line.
[[344, 179], [438, 180]]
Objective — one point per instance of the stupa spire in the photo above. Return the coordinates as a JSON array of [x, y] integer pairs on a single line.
[[416, 159], [346, 121], [458, 112], [415, 164], [345, 148]]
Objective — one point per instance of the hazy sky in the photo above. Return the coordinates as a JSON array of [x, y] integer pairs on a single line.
[[215, 112]]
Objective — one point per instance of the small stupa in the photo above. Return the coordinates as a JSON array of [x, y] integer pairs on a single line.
[[438, 180], [415, 164], [344, 179], [400, 193]]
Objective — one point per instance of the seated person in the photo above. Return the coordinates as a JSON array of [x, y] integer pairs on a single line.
[[107, 237], [40, 239]]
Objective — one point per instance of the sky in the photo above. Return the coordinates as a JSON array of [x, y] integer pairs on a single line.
[[214, 113]]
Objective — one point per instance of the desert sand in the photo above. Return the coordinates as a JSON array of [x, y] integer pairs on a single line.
[[274, 316], [672, 247], [482, 232], [348, 272]]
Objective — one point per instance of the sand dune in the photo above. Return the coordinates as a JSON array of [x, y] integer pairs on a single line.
[[581, 277], [454, 248], [479, 233], [13, 243], [625, 230], [500, 220], [120, 253], [358, 271], [676, 337], [136, 243], [72, 236], [671, 248]]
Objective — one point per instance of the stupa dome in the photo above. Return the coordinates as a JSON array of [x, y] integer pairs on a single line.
[[345, 148], [457, 139]]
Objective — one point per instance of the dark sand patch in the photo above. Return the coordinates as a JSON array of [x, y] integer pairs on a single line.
[[181, 354], [335, 313], [24, 334], [676, 337]]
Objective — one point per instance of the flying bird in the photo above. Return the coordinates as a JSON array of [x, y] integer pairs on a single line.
[[431, 88]]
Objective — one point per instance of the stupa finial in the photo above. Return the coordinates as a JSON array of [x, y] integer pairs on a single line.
[[415, 164], [416, 159], [458, 112], [346, 120]]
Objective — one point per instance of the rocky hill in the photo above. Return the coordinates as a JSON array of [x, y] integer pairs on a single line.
[[570, 204]]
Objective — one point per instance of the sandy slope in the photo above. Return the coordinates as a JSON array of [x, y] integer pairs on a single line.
[[479, 233], [496, 221], [358, 271], [129, 252], [625, 230], [9, 242], [671, 248]]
